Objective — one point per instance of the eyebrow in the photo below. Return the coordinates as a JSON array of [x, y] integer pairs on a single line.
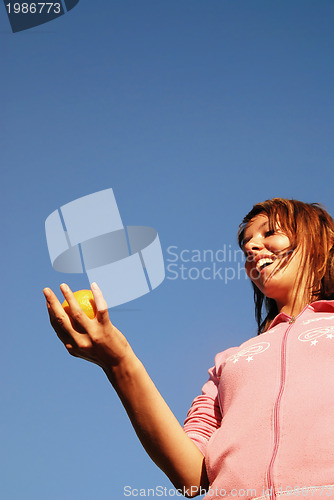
[[246, 240]]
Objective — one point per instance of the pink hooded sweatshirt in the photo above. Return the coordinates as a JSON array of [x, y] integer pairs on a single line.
[[265, 419]]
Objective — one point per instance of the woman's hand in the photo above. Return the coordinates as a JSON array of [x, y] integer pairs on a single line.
[[96, 340]]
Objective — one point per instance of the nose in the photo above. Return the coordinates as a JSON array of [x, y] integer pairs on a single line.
[[253, 246]]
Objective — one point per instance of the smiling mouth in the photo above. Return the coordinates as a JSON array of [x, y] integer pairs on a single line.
[[262, 263]]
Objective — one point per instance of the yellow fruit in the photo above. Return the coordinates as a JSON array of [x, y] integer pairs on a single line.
[[86, 302]]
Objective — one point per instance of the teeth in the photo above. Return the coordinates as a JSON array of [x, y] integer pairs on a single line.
[[262, 262]]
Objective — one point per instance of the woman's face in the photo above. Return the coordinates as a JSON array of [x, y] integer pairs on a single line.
[[264, 250]]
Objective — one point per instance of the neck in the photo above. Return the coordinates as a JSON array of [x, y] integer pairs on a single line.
[[291, 308]]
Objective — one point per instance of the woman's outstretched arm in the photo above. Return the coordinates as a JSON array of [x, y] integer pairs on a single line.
[[99, 341]]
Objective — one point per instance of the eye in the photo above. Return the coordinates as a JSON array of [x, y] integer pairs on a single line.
[[269, 233]]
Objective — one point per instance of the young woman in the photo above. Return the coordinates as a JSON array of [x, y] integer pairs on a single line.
[[264, 423]]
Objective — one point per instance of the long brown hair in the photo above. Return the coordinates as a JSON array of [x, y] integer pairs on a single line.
[[309, 227]]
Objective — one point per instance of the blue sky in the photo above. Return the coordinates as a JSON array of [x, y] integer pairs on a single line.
[[192, 111]]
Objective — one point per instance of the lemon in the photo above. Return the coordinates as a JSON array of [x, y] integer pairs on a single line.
[[86, 301]]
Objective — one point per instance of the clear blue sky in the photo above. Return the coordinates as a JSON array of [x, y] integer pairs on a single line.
[[192, 111]]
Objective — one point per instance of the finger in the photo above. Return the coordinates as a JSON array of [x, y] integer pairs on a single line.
[[101, 305], [56, 311], [61, 322], [75, 310]]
